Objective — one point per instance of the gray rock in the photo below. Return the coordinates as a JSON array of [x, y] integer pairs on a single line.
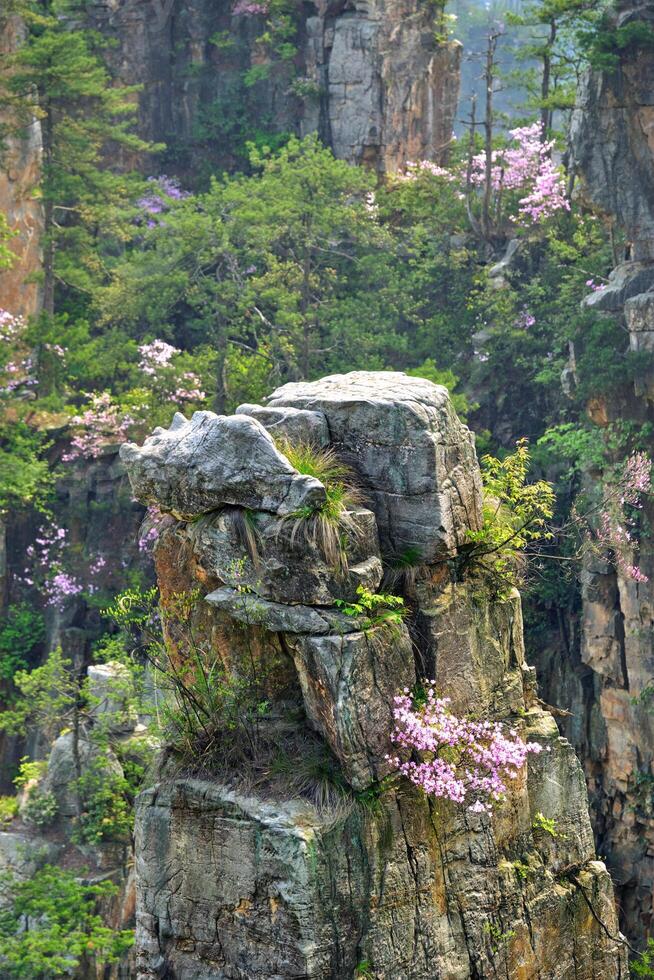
[[196, 466], [279, 618], [293, 424], [415, 456], [286, 563], [348, 685], [61, 776], [506, 263], [111, 689], [639, 313], [625, 281], [232, 886]]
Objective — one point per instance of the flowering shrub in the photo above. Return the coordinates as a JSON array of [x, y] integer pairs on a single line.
[[151, 528], [155, 355], [103, 422], [55, 583], [166, 378], [11, 327], [246, 8], [162, 192], [460, 760], [619, 510], [526, 166]]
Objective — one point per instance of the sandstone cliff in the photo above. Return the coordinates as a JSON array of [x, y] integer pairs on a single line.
[[241, 875], [606, 662]]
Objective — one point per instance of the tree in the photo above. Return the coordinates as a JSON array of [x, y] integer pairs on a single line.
[[58, 77], [263, 264], [49, 926]]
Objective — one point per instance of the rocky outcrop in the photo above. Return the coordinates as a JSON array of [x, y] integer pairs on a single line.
[[612, 137], [242, 878], [369, 76], [599, 669], [20, 162], [417, 461]]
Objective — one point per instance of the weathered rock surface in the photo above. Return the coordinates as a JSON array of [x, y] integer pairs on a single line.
[[293, 424], [348, 684], [286, 561], [240, 882], [20, 288], [376, 84], [62, 774], [611, 136], [199, 465], [416, 459], [278, 617]]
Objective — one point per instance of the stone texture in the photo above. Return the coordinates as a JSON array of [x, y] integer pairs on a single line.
[[348, 684], [240, 877], [612, 137], [289, 564], [627, 280], [294, 424], [111, 688], [196, 466], [404, 439], [20, 289], [384, 88], [279, 618]]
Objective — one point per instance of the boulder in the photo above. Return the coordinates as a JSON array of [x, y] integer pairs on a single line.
[[417, 460], [348, 685], [61, 775], [251, 609], [198, 465], [282, 559], [111, 689], [294, 424]]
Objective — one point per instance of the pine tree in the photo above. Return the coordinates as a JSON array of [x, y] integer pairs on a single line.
[[57, 76]]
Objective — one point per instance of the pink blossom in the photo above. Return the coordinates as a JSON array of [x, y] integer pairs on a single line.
[[103, 422], [246, 8], [617, 522], [458, 759], [155, 355]]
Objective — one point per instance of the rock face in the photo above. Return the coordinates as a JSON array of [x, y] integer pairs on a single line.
[[20, 291], [611, 136], [241, 882], [194, 467], [369, 76], [599, 666], [416, 459]]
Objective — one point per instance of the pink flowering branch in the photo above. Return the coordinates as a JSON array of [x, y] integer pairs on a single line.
[[617, 525], [469, 762]]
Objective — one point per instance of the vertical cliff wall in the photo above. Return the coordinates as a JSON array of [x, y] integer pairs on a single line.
[[369, 76], [243, 875], [20, 291], [601, 670]]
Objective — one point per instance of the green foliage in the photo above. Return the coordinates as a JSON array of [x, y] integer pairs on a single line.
[[377, 609], [21, 631], [65, 930], [57, 74], [40, 808], [8, 810], [208, 714], [25, 475], [107, 805], [330, 524], [497, 936], [47, 698], [643, 964], [545, 824], [515, 514], [449, 380]]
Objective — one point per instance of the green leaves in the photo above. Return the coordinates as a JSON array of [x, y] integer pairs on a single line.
[[515, 514], [64, 927]]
